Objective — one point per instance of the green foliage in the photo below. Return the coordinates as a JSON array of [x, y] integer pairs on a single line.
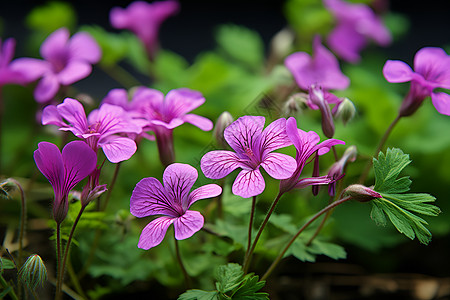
[[231, 284], [6, 264], [400, 208], [47, 18]]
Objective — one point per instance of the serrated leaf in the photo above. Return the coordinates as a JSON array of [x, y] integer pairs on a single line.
[[199, 295], [299, 250], [387, 168], [249, 289], [228, 277], [6, 264], [320, 247]]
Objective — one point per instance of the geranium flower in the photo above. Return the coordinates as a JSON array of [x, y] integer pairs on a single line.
[[144, 20], [431, 71], [172, 200], [164, 114], [7, 73], [64, 171], [307, 145], [356, 25], [322, 68], [253, 147], [99, 130], [66, 62]]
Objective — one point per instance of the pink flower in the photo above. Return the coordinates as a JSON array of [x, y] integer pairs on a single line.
[[99, 130], [7, 73], [64, 171], [66, 61], [253, 147], [171, 200], [431, 71], [144, 20], [356, 25]]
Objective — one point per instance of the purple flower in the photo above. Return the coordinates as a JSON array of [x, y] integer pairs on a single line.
[[7, 74], [66, 62], [322, 68], [99, 130], [356, 24], [307, 145], [253, 147], [164, 114], [337, 169], [64, 171], [144, 20], [172, 200], [431, 71]]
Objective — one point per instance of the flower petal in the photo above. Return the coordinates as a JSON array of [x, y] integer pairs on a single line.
[[248, 183], [153, 234], [82, 46], [55, 44], [347, 42], [117, 148], [181, 101], [441, 101], [204, 192], [31, 68], [49, 161], [188, 224], [150, 198], [397, 71], [434, 65], [218, 164], [50, 115], [321, 180], [178, 180], [199, 121], [74, 71], [274, 137], [117, 97], [73, 112], [79, 161], [244, 133], [279, 166], [46, 88]]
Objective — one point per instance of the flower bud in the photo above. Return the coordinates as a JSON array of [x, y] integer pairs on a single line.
[[224, 120], [33, 272], [6, 187], [345, 111], [282, 43], [361, 193], [88, 195], [317, 97], [294, 104]]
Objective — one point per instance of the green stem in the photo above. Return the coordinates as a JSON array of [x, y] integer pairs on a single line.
[[322, 223], [280, 256], [58, 264], [22, 220], [249, 255], [5, 285], [74, 279], [383, 140], [111, 186], [250, 225], [187, 279], [336, 158]]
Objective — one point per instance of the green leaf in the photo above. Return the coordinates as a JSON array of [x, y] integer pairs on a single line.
[[51, 16], [320, 247], [228, 277], [387, 168], [400, 208], [249, 289], [299, 250], [199, 295], [6, 264], [241, 44]]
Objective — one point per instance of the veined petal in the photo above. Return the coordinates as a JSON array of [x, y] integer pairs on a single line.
[[79, 161], [248, 183], [117, 97], [46, 88], [274, 137], [73, 112], [74, 71], [244, 133], [397, 71], [50, 115], [295, 63], [117, 148], [433, 64], [279, 166], [188, 224], [204, 192], [150, 198], [55, 44], [82, 46], [441, 101], [218, 164], [321, 180], [326, 145], [153, 234], [49, 161], [199, 121], [113, 119], [178, 180], [181, 101]]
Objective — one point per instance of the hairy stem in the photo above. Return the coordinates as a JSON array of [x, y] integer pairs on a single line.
[[280, 256], [249, 255], [250, 225], [58, 264], [187, 279], [383, 140]]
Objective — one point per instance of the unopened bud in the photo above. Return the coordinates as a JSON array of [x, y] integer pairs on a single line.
[[346, 111], [6, 187], [282, 43], [33, 272], [317, 98], [88, 195], [361, 193], [224, 120], [295, 104]]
